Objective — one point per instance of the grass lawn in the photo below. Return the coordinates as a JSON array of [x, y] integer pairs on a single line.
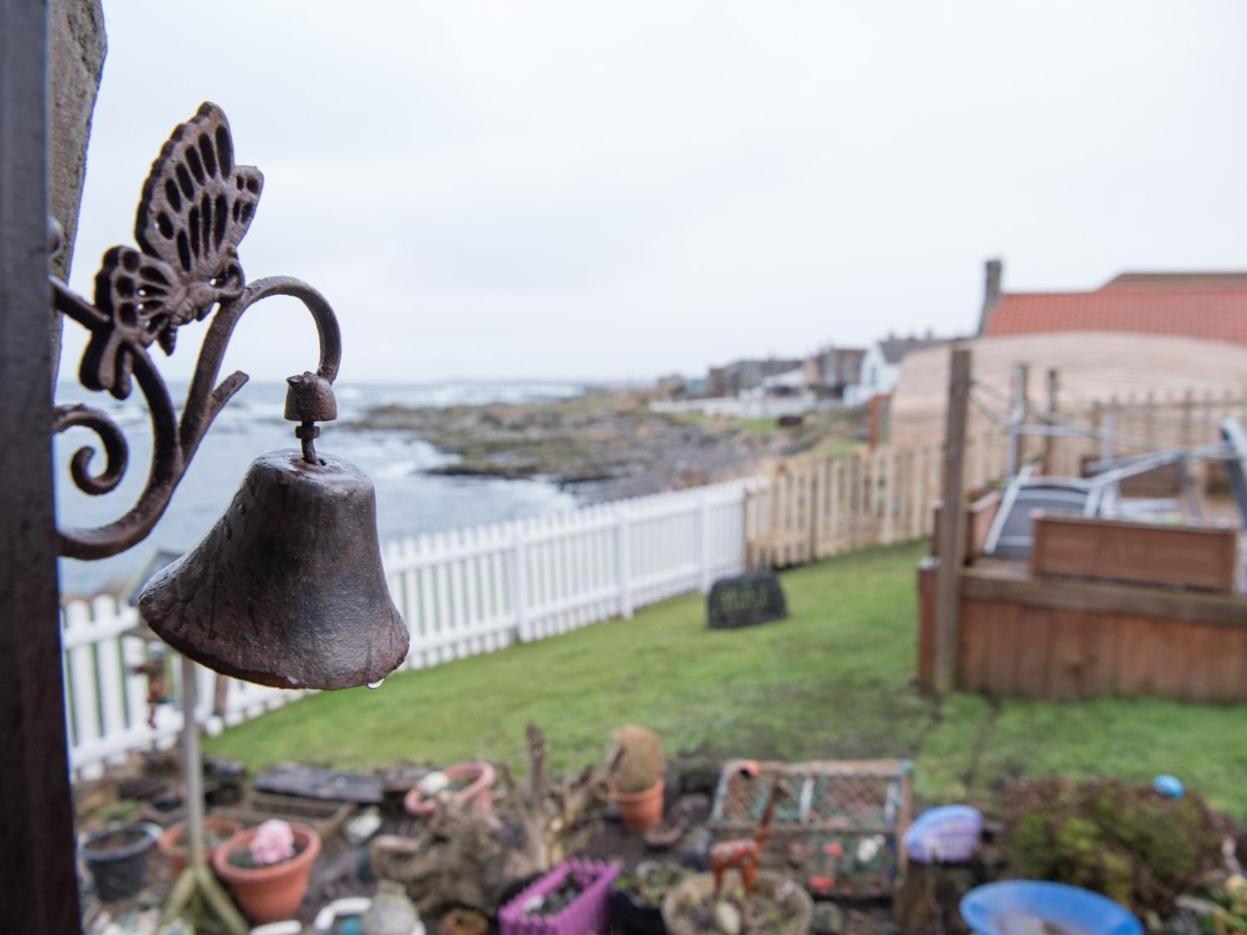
[[836, 680]]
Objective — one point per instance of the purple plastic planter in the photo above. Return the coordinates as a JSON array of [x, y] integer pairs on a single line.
[[587, 914]]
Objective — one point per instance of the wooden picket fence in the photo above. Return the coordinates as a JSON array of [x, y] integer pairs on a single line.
[[1138, 423], [814, 507]]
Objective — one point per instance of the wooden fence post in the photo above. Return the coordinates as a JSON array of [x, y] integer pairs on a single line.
[[1019, 404], [952, 531], [38, 877], [1053, 389]]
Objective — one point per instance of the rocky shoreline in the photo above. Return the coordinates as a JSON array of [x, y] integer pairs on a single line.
[[602, 447]]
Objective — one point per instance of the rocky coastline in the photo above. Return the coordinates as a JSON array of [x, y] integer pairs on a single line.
[[601, 447]]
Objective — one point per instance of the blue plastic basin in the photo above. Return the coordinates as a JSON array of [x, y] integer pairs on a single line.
[[1032, 907]]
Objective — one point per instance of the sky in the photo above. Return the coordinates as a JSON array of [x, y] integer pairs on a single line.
[[496, 189]]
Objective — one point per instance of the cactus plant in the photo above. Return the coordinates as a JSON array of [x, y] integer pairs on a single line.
[[637, 761]]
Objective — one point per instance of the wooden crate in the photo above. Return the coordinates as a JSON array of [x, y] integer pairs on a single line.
[[980, 511], [838, 826], [1026, 637], [1202, 557]]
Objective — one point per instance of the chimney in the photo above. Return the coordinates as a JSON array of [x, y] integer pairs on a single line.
[[993, 272]]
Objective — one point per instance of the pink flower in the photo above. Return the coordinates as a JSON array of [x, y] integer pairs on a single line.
[[272, 843]]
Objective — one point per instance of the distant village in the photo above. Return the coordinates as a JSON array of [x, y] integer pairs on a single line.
[[1140, 333], [778, 386]]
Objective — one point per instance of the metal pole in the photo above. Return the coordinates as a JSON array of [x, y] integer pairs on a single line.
[[1053, 388], [192, 766], [1017, 419], [38, 878]]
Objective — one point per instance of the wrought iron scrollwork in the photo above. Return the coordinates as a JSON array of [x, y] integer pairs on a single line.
[[196, 207]]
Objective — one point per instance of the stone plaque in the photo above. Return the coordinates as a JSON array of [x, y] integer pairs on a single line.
[[744, 600]]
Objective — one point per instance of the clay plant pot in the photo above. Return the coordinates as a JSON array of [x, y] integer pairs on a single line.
[[174, 845], [698, 890], [117, 860], [274, 892], [641, 811], [477, 793]]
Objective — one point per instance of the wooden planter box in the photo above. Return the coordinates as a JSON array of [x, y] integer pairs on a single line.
[[980, 511], [1144, 553]]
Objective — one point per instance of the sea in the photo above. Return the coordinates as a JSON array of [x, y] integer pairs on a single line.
[[409, 500]]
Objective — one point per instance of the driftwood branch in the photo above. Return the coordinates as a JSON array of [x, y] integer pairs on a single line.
[[465, 856]]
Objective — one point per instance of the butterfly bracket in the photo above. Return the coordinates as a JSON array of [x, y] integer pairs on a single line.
[[195, 208]]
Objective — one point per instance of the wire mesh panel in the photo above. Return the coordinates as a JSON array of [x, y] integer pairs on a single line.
[[836, 822]]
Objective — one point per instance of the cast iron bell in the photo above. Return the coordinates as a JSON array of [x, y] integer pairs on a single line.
[[287, 589]]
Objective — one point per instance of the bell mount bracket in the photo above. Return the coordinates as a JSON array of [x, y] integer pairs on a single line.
[[195, 208]]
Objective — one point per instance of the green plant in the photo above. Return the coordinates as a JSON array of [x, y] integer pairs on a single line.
[[650, 883], [121, 812], [1129, 843], [1230, 900], [637, 759]]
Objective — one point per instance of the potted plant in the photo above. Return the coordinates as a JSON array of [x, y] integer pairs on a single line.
[[468, 783], [174, 846], [267, 868], [117, 860], [571, 899], [637, 764], [636, 898]]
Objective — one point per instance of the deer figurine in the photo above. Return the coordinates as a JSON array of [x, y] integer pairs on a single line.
[[745, 854]]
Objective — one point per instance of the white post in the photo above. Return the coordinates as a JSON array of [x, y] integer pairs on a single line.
[[519, 583], [705, 542], [192, 766], [623, 570]]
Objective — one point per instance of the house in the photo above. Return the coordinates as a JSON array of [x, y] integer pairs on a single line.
[[881, 366], [741, 375], [1164, 334], [788, 383], [832, 370], [1091, 366], [1206, 306]]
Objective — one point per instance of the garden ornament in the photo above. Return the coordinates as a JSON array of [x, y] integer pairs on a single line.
[[288, 588], [1169, 786], [745, 854]]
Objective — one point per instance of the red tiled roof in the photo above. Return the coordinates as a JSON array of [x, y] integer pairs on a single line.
[[1208, 315], [1173, 282]]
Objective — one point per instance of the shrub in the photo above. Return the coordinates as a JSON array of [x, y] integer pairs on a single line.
[[1129, 843]]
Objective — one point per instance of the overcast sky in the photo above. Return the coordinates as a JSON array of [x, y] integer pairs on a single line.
[[590, 190]]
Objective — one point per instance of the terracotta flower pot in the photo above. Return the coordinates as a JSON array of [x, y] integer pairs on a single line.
[[174, 845], [641, 811], [274, 892], [477, 793]]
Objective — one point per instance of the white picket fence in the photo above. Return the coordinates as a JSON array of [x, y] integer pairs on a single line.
[[462, 593]]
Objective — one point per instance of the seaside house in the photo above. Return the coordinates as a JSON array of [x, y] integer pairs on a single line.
[[1161, 334], [829, 372], [747, 374], [1209, 306], [880, 366]]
